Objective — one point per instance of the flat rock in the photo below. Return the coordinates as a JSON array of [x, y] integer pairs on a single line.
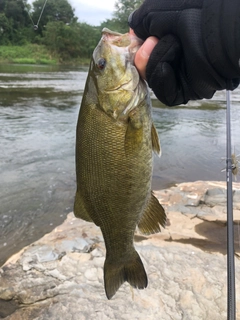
[[61, 275]]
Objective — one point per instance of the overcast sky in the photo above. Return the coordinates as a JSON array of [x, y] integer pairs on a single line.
[[92, 11]]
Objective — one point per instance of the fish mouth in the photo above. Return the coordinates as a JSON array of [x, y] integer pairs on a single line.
[[127, 40], [135, 44], [115, 38], [110, 32]]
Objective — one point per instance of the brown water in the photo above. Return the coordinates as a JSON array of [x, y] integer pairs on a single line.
[[38, 114]]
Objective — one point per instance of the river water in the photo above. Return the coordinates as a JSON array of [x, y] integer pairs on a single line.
[[38, 114]]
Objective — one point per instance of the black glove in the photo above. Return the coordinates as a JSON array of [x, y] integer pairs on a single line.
[[199, 47]]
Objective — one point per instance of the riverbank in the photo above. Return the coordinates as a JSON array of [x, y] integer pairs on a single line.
[[61, 275], [34, 54]]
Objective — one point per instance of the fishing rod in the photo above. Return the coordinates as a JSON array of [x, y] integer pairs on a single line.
[[231, 305]]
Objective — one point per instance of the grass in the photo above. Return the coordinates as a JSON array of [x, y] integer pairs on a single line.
[[27, 54], [34, 54], [33, 61]]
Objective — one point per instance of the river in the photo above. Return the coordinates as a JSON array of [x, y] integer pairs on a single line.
[[38, 114]]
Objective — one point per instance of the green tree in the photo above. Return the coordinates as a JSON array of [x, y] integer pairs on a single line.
[[54, 10], [2, 5], [112, 24], [76, 40], [5, 29], [89, 37], [14, 21], [123, 8]]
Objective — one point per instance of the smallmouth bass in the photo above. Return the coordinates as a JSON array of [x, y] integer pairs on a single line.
[[114, 143]]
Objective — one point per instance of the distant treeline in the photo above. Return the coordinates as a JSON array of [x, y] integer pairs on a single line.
[[58, 29]]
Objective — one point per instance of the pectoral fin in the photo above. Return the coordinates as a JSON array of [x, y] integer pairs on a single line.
[[155, 141], [153, 216], [134, 133], [79, 209]]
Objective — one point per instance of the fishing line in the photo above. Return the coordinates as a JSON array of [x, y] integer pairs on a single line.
[[231, 306], [35, 26]]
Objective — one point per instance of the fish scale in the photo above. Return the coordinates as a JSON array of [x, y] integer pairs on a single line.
[[114, 143]]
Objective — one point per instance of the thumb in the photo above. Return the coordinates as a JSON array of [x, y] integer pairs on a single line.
[[143, 54]]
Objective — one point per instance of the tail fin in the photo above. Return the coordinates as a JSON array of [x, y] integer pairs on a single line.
[[116, 273]]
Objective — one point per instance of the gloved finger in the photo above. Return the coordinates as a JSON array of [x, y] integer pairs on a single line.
[[153, 23], [159, 18], [164, 74]]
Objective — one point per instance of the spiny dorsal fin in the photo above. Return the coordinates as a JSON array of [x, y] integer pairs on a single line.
[[153, 216], [155, 141]]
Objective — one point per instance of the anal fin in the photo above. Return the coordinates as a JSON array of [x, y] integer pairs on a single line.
[[153, 216]]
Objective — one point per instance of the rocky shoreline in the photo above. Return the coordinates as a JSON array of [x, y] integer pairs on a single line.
[[60, 276]]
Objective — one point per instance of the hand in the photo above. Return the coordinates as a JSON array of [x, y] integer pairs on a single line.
[[194, 55]]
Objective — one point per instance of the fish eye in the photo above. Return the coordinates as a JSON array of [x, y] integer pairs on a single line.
[[101, 64]]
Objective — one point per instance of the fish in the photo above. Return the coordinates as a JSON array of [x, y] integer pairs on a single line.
[[115, 140]]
